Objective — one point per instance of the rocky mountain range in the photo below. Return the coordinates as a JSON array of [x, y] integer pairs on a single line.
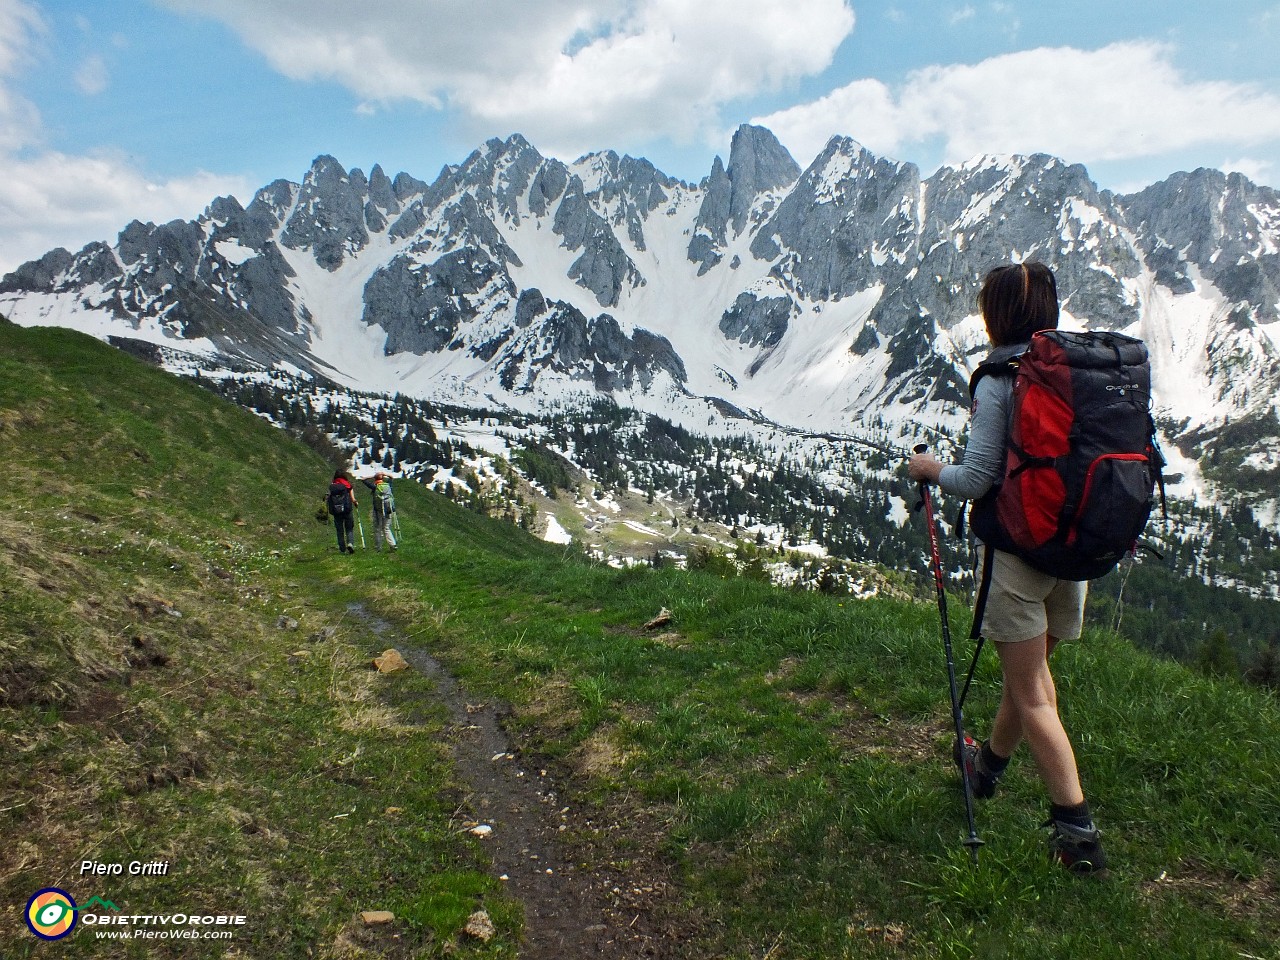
[[839, 296]]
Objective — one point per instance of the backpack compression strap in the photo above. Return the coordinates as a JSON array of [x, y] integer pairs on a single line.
[[979, 608], [984, 589]]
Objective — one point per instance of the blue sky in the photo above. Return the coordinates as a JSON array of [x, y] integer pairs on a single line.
[[149, 108]]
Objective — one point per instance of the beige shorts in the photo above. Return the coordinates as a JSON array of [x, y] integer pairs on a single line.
[[1023, 603]]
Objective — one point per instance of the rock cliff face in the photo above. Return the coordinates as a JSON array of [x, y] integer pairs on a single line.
[[758, 166], [329, 216], [821, 295], [849, 215], [568, 343], [1223, 227]]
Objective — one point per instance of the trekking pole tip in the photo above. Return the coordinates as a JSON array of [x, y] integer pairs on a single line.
[[974, 844]]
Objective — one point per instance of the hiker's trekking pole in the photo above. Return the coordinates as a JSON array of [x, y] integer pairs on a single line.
[[360, 527], [973, 666], [395, 522], [926, 501]]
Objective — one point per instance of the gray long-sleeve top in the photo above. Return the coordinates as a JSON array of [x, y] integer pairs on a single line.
[[983, 462]]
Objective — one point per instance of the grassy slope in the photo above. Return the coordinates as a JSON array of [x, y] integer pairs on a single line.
[[154, 705], [786, 751]]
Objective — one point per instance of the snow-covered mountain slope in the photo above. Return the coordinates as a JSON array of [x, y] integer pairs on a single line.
[[838, 297]]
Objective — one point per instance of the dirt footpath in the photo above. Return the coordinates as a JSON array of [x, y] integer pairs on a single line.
[[576, 903]]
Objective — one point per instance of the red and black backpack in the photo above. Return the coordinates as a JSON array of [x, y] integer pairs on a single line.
[[1082, 462], [339, 498]]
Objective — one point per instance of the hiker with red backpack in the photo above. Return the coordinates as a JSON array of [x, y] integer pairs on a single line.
[[341, 501], [1061, 464]]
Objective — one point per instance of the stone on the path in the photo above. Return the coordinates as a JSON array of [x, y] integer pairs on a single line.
[[390, 662]]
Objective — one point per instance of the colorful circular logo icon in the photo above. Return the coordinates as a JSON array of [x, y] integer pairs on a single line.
[[51, 913]]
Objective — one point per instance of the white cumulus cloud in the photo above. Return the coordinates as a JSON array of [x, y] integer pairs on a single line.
[[57, 200], [50, 199], [1259, 171], [1122, 101], [570, 74]]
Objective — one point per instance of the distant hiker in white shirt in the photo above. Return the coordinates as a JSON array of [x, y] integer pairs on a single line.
[[384, 505]]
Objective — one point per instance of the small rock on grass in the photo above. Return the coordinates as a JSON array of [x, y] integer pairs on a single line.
[[390, 662], [480, 926], [661, 620], [374, 918]]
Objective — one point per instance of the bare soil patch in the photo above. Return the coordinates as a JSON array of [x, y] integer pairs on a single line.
[[590, 879]]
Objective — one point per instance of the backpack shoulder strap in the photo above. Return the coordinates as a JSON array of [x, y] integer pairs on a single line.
[[1002, 361]]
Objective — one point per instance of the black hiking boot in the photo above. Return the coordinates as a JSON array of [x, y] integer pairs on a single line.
[[350, 548], [982, 781], [1078, 848]]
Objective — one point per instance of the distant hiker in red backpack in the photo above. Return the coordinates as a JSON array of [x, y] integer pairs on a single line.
[[342, 507], [1061, 465]]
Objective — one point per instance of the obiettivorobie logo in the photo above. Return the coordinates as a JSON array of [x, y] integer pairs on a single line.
[[52, 912]]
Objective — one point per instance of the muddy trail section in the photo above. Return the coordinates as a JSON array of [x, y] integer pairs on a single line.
[[553, 856]]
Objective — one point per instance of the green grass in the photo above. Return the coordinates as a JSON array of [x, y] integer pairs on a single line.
[[155, 706], [824, 794], [795, 746], [785, 754]]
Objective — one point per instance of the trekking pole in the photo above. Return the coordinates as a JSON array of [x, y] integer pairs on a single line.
[[973, 666], [926, 501], [395, 522], [360, 527]]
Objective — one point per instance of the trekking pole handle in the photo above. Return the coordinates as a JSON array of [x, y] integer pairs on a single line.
[[924, 484], [930, 472]]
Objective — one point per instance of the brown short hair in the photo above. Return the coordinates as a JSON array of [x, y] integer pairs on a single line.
[[1018, 300]]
